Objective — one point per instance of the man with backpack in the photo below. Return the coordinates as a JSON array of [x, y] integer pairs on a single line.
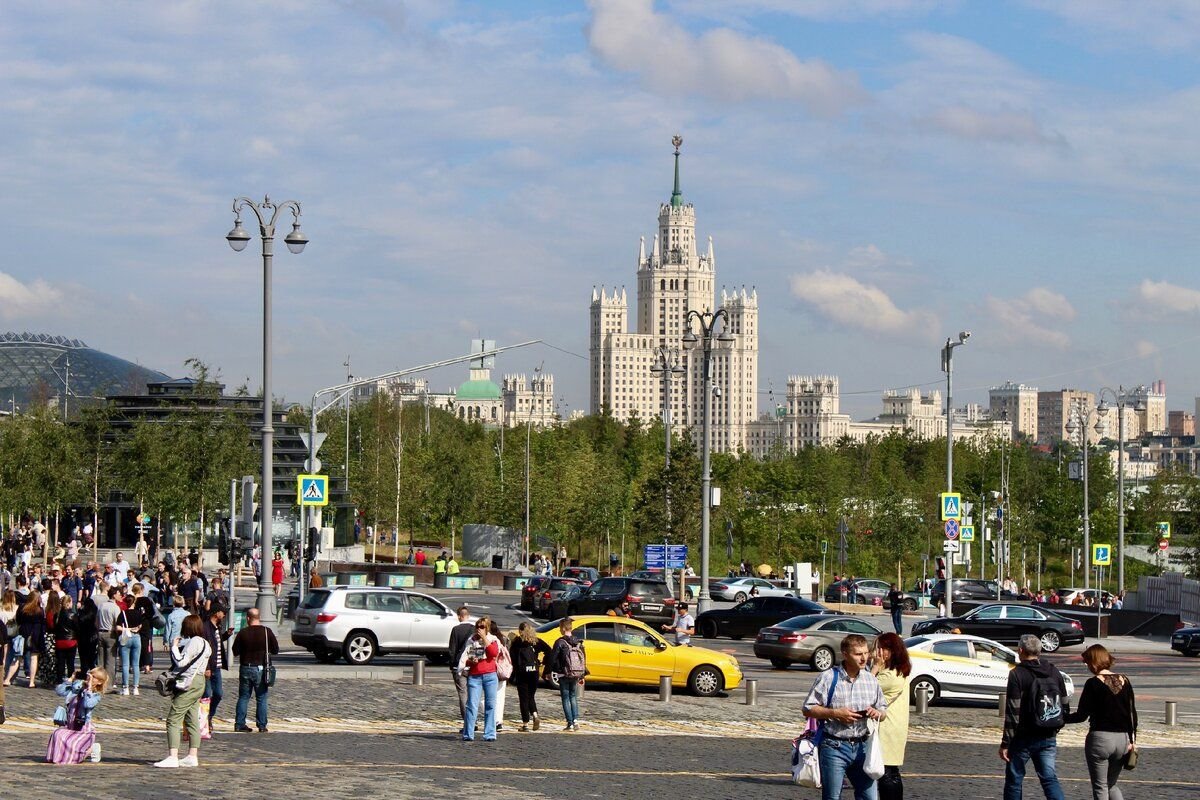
[[1035, 711], [569, 662]]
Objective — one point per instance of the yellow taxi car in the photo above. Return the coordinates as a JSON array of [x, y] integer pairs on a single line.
[[623, 650]]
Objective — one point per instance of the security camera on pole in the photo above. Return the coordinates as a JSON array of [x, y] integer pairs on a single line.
[[948, 368]]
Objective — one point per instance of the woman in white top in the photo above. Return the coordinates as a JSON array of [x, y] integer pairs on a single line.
[[189, 658]]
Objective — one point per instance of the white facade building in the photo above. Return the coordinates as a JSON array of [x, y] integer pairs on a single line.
[[1018, 404], [672, 280]]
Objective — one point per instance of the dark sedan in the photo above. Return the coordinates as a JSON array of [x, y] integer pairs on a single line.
[[1002, 622], [530, 589], [1186, 641], [748, 618]]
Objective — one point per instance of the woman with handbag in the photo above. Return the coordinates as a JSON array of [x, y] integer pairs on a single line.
[[525, 649], [891, 666], [478, 663], [75, 739], [31, 630], [150, 613], [1107, 702], [129, 642], [189, 657], [504, 669]]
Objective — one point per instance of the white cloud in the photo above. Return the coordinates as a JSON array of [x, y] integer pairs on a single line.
[[19, 300], [1145, 349], [998, 126], [854, 304], [720, 63], [1025, 318], [1163, 296], [1168, 25], [840, 10]]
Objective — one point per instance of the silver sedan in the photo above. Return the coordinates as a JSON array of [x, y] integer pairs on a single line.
[[741, 589], [813, 639]]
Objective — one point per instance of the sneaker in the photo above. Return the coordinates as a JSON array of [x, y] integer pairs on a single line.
[[500, 726], [189, 761], [575, 726], [523, 729], [170, 762], [243, 729], [568, 728], [537, 723], [136, 691], [124, 691], [94, 755]]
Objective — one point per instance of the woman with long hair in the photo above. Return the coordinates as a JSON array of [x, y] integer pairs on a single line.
[[1107, 703], [64, 623], [478, 663], [503, 662], [189, 658], [31, 628], [145, 606], [525, 649], [277, 573], [8, 632], [891, 666], [75, 740]]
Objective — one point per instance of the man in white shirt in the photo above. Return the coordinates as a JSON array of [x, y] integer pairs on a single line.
[[121, 567], [684, 625]]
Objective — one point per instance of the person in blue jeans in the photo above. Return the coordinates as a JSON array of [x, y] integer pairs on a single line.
[[570, 676], [1031, 728], [129, 644], [478, 660], [254, 645], [843, 699]]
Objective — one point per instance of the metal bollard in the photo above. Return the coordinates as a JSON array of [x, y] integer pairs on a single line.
[[751, 693], [921, 700], [419, 672], [1003, 703], [1171, 713], [579, 691], [664, 688]]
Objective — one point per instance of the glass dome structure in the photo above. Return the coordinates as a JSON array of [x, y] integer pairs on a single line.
[[38, 365]]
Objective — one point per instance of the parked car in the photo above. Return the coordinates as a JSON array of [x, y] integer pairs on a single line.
[[559, 606], [1186, 640], [692, 583], [1008, 622], [530, 589], [585, 575], [549, 591], [867, 591], [748, 618], [629, 651], [967, 589], [360, 622], [814, 639], [958, 666], [649, 601], [739, 589]]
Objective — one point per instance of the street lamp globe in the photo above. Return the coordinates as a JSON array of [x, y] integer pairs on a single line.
[[690, 339], [295, 240], [238, 238]]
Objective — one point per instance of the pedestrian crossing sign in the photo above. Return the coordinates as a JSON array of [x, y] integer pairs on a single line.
[[951, 505], [966, 533], [312, 490], [1101, 555], [1164, 530]]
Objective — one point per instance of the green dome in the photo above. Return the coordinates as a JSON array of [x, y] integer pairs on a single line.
[[478, 390]]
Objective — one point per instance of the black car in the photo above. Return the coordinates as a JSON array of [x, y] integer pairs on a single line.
[[751, 616], [649, 601], [1008, 622], [970, 590], [1186, 641], [530, 589]]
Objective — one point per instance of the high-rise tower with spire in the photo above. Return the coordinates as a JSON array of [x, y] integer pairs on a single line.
[[673, 279]]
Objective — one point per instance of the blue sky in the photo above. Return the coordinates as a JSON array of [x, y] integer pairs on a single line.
[[885, 172]]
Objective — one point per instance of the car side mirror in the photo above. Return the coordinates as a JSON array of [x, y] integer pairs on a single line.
[[661, 645]]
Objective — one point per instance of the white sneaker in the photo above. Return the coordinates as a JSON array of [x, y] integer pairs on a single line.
[[189, 761], [136, 691], [124, 691], [170, 762], [95, 754]]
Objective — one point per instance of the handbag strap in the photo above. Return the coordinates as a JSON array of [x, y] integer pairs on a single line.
[[266, 647], [180, 670]]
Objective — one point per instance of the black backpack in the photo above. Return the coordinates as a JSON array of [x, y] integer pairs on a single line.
[[1047, 701]]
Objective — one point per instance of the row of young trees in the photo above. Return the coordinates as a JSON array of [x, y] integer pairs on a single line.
[[597, 486]]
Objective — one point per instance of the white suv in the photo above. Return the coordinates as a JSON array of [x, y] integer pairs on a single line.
[[359, 623]]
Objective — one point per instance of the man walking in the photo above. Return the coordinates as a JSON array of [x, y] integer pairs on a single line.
[[1036, 709], [895, 599], [107, 613], [684, 625], [460, 635], [844, 698], [254, 644]]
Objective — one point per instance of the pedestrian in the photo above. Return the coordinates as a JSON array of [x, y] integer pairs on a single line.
[[277, 574], [218, 661], [175, 619], [254, 645], [64, 623], [1035, 711], [452, 566], [129, 645], [895, 597], [684, 625], [420, 558], [891, 667], [439, 566], [31, 635], [568, 662], [149, 612], [141, 550], [504, 669], [1107, 703], [460, 634], [411, 558], [843, 699], [526, 650], [9, 631], [75, 740], [189, 654], [478, 661]]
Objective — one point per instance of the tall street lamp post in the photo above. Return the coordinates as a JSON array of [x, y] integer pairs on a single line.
[[948, 368], [238, 238], [707, 320], [1081, 418], [1121, 401], [666, 366]]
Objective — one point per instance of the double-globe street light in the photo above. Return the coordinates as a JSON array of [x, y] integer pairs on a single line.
[[707, 320], [238, 238], [667, 366], [1121, 401], [948, 368]]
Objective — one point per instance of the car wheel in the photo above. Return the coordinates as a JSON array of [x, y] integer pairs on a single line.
[[708, 629], [360, 648], [780, 663], [821, 660], [909, 605], [1051, 641], [944, 629], [740, 597], [927, 685], [326, 655], [552, 680], [706, 681]]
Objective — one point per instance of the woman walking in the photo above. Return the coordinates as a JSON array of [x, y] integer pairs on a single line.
[[75, 740], [525, 649], [145, 606], [277, 573], [504, 666], [478, 663], [1107, 703], [65, 625], [129, 641], [31, 631], [8, 633], [569, 662], [892, 667], [189, 658]]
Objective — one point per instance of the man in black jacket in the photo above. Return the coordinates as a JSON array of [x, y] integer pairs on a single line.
[[460, 634], [218, 661], [1035, 710]]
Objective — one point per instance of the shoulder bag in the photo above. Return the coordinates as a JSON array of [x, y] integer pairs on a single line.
[[1131, 757], [268, 675], [167, 681], [806, 761], [504, 664], [124, 638]]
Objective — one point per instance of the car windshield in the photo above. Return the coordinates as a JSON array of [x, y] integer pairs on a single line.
[[913, 641], [552, 625], [801, 622], [316, 599]]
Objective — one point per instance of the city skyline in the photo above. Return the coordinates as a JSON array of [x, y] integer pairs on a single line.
[[883, 173]]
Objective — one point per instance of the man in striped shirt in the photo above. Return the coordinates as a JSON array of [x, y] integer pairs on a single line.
[[843, 699]]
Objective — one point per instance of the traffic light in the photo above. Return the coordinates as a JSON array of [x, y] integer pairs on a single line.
[[941, 568], [223, 542], [312, 545]]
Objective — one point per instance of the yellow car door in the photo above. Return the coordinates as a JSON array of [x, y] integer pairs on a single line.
[[601, 649], [645, 656]]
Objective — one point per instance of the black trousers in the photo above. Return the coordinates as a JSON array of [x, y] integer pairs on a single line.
[[891, 785], [526, 691]]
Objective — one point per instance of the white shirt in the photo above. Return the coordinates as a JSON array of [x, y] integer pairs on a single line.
[[121, 568], [682, 625]]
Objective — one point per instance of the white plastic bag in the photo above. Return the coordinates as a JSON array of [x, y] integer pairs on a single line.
[[806, 764], [873, 762]]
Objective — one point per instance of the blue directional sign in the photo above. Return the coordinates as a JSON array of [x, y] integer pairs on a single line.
[[312, 490], [655, 556], [676, 556], [952, 529]]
